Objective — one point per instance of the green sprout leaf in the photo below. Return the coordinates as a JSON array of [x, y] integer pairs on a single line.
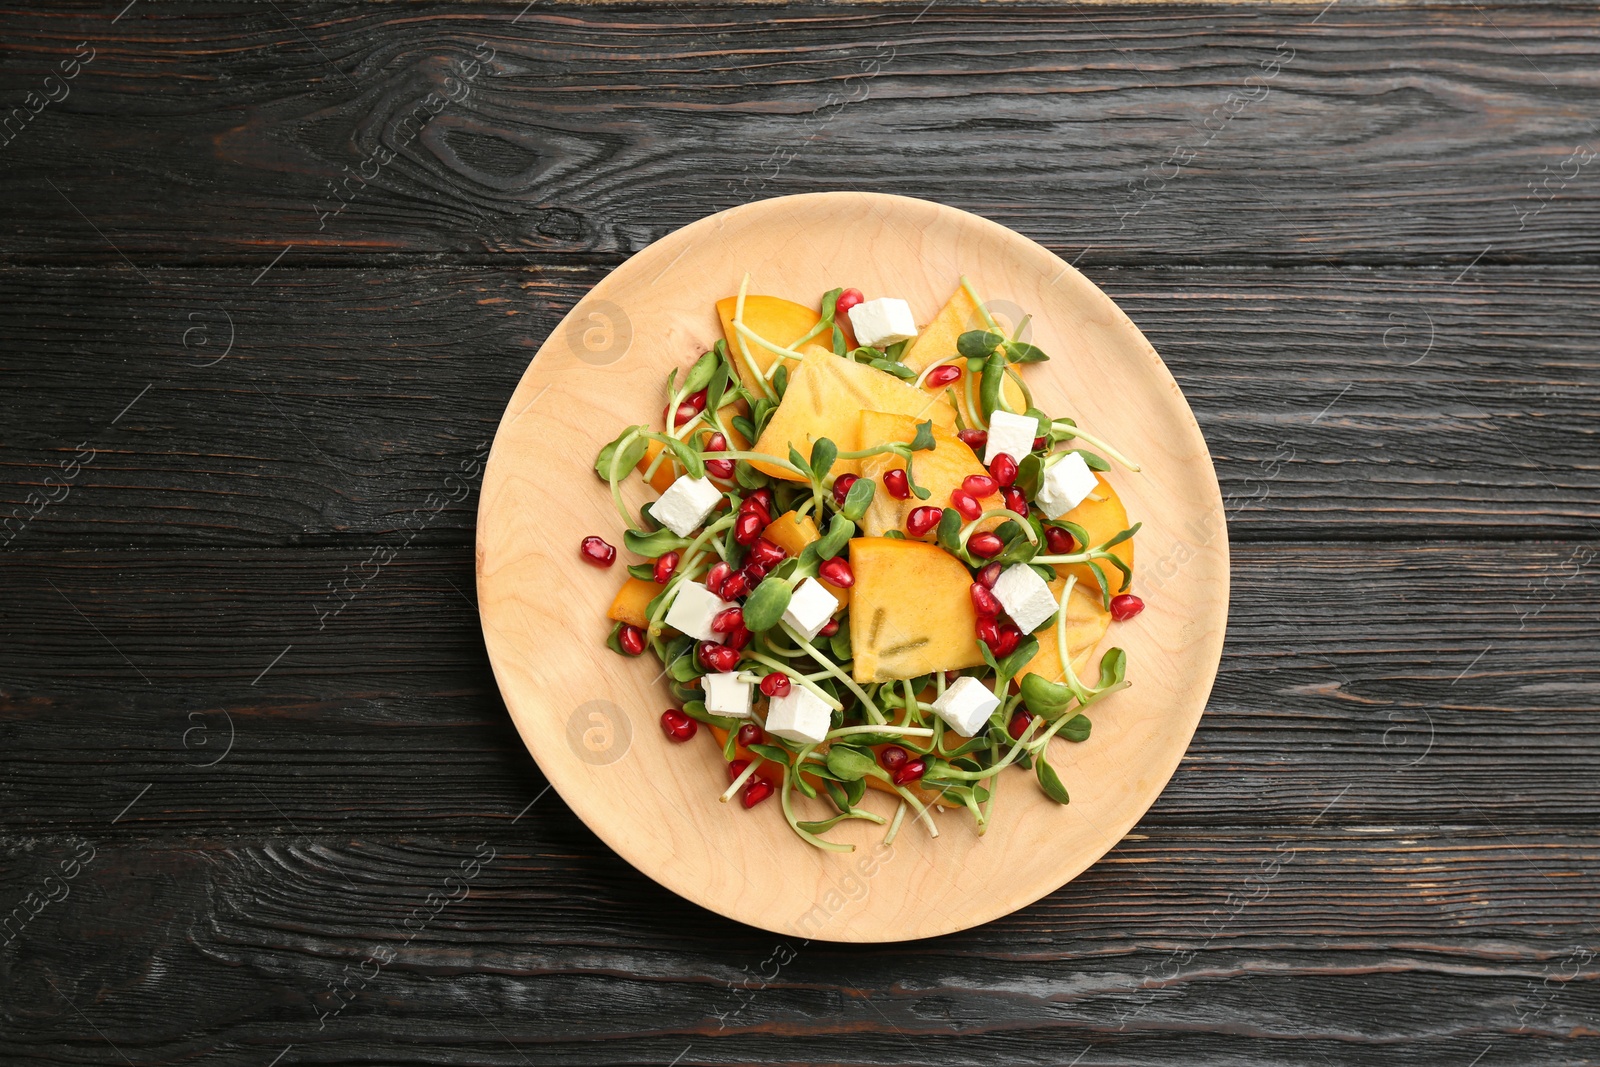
[[1113, 668], [1043, 697], [1077, 728], [632, 453], [850, 764], [1050, 782], [799, 461], [823, 453], [700, 374], [767, 604], [840, 530], [923, 441], [977, 344], [859, 498], [651, 545], [1023, 352]]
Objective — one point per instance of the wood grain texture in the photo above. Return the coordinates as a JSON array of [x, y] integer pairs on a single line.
[[1336, 403], [1196, 134]]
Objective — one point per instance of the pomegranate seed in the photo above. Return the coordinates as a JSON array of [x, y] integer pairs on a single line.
[[1010, 638], [951, 676], [756, 790], [715, 443], [921, 520], [983, 601], [1015, 499], [761, 498], [980, 485], [963, 502], [765, 553], [720, 468], [631, 638], [736, 768], [892, 757], [750, 734], [1058, 540], [895, 481], [909, 772], [988, 632], [739, 638], [1038, 443], [836, 571], [748, 526], [985, 545], [1004, 468], [719, 659], [989, 575], [847, 300], [977, 440], [1125, 606], [677, 725], [597, 552], [665, 566], [727, 621], [754, 572], [691, 405], [717, 575], [775, 684], [734, 586], [829, 628], [943, 375], [841, 487], [1019, 723]]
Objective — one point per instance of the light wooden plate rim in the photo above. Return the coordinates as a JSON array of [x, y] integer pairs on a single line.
[[542, 611]]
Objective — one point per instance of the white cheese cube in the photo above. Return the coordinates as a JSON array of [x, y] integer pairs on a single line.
[[1011, 434], [799, 716], [882, 322], [1065, 485], [726, 695], [1025, 596], [693, 609], [810, 608], [685, 504], [966, 706]]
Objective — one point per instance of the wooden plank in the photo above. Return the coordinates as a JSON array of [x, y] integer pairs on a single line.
[[1414, 684], [1244, 133], [1243, 946], [1337, 403]]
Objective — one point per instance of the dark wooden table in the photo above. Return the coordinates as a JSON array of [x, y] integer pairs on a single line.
[[237, 353]]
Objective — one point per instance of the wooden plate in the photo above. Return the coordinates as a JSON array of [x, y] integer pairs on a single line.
[[590, 717]]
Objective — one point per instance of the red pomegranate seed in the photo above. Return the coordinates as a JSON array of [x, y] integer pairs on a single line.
[[892, 757], [983, 601], [829, 628], [717, 575], [988, 632], [734, 586], [989, 575], [977, 440], [775, 684], [631, 638], [761, 498], [1058, 540], [750, 734], [692, 405], [847, 300], [1038, 443], [739, 638], [985, 545], [841, 487], [756, 790], [765, 553], [951, 676], [720, 468], [736, 768], [715, 443], [1015, 499], [665, 566], [1010, 638], [895, 481], [909, 772], [980, 485], [1125, 606], [748, 526], [677, 725], [836, 571], [1019, 723], [718, 659], [944, 375], [923, 519], [963, 502], [727, 621], [754, 572], [597, 552], [1004, 468]]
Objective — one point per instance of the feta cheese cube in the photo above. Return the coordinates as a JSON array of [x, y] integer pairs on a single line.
[[727, 695], [799, 716], [693, 609], [1025, 596], [810, 608], [882, 322], [1011, 434], [685, 504], [1065, 485], [965, 707]]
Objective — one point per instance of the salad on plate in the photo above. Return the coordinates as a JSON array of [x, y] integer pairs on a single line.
[[874, 562]]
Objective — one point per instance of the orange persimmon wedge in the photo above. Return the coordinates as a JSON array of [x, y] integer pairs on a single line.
[[783, 322], [631, 601]]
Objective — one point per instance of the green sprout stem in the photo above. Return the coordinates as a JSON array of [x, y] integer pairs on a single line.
[[1097, 443], [850, 683]]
